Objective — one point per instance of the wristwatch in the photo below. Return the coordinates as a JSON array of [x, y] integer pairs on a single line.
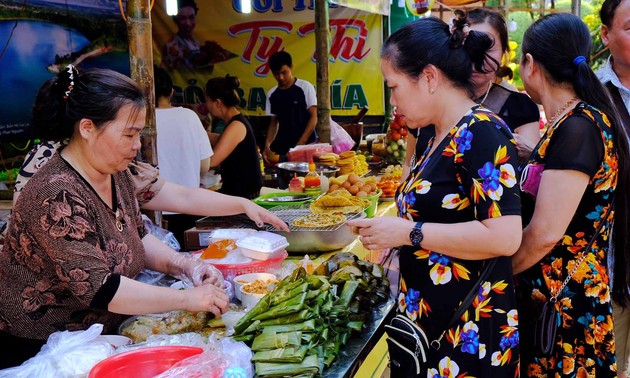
[[416, 235]]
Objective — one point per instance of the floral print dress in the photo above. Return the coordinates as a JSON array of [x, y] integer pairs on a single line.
[[585, 345], [470, 176]]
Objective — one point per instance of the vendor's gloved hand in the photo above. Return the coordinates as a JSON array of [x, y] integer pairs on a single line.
[[203, 273], [194, 271], [207, 298]]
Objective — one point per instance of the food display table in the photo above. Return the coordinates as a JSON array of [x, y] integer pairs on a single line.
[[365, 354]]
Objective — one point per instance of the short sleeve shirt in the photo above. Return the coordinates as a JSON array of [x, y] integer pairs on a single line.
[[469, 176], [291, 107], [146, 180]]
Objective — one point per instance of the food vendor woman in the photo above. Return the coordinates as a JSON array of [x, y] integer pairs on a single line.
[[76, 239]]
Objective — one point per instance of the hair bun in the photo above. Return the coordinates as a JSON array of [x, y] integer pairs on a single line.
[[459, 29], [232, 82]]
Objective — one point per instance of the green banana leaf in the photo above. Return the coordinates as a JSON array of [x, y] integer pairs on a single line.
[[309, 365], [289, 307], [259, 308], [275, 340], [308, 326], [289, 319], [289, 354]]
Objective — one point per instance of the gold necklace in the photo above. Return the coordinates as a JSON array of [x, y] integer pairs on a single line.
[[551, 121]]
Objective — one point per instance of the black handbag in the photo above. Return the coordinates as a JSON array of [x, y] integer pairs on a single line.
[[547, 323], [409, 345]]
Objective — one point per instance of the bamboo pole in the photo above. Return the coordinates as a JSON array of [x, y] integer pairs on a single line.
[[321, 52], [141, 64]]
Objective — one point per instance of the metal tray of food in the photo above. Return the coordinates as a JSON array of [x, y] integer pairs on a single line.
[[313, 239]]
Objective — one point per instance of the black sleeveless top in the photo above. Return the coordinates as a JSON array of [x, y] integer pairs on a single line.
[[241, 169], [514, 108]]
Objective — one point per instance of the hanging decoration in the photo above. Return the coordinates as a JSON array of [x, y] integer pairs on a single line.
[[419, 7]]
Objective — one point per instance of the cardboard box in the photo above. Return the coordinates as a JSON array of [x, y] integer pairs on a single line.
[[196, 238]]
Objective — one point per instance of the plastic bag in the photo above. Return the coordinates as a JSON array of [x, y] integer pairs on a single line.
[[224, 358], [339, 138], [65, 355], [165, 236], [183, 339]]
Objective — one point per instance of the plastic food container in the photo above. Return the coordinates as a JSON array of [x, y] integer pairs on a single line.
[[230, 233], [262, 245], [250, 277], [371, 209], [249, 300]]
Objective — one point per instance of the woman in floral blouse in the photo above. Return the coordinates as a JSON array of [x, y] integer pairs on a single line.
[[583, 162], [459, 207]]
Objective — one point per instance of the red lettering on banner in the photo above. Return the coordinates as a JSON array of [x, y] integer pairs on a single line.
[[268, 45], [343, 46]]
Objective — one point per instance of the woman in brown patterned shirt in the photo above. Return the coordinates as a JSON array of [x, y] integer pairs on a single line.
[[76, 238]]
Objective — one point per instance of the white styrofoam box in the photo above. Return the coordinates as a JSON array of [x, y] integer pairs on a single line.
[[231, 233], [262, 245]]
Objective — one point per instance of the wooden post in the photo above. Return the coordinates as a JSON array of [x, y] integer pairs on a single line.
[[141, 64], [321, 52]]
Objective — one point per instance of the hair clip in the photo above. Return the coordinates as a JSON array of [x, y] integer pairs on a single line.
[[70, 69], [465, 29]]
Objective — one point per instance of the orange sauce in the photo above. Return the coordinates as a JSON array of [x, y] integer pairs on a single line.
[[218, 249]]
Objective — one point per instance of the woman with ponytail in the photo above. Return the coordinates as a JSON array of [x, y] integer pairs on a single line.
[[235, 149], [576, 174], [461, 194]]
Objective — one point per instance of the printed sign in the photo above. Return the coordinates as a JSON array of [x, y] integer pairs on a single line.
[[221, 40]]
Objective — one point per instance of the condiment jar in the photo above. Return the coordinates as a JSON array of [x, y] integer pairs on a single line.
[[312, 182], [295, 185]]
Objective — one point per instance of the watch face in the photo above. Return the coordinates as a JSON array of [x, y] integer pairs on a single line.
[[416, 237]]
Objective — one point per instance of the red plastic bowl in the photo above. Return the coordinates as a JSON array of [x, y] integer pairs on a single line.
[[142, 363]]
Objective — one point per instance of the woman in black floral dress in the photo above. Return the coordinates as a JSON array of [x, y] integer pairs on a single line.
[[583, 162], [459, 207]]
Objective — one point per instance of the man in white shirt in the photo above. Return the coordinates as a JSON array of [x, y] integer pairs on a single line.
[[183, 148]]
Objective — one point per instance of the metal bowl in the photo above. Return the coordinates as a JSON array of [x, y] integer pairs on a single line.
[[288, 169], [319, 240]]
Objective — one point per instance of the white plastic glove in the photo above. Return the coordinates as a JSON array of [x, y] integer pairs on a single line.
[[196, 272]]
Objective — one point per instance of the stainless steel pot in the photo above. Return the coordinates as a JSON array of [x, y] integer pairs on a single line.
[[317, 240], [286, 171]]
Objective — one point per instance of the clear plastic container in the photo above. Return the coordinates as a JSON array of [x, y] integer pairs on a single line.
[[262, 245]]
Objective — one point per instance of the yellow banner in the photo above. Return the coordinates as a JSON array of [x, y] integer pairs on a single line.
[[372, 6], [226, 41]]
